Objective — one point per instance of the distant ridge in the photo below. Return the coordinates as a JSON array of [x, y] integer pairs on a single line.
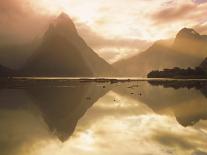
[[188, 50]]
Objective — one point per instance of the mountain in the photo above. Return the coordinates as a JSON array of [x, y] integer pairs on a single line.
[[64, 53], [5, 72], [199, 72], [188, 40], [188, 49], [203, 65], [14, 56], [179, 73]]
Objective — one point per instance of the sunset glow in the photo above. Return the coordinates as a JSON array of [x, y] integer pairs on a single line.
[[103, 77], [134, 18], [100, 21]]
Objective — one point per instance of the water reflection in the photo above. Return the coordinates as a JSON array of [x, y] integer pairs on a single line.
[[61, 108], [187, 99], [103, 118]]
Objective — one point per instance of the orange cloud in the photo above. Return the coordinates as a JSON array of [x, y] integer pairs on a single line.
[[104, 26], [172, 14]]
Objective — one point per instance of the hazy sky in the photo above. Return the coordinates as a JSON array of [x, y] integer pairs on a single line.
[[115, 29]]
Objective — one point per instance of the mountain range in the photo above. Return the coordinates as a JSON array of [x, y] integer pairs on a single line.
[[62, 52], [188, 49]]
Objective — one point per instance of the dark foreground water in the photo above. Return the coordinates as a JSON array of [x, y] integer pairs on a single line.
[[65, 117]]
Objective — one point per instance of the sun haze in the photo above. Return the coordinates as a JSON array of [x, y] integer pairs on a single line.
[[118, 28]]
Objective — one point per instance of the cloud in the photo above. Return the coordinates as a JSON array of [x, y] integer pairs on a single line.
[[199, 153], [99, 41], [19, 22], [199, 1], [186, 140], [184, 13], [173, 140], [103, 26], [201, 28], [111, 49], [172, 14]]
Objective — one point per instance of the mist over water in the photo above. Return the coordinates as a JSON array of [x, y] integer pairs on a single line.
[[74, 117]]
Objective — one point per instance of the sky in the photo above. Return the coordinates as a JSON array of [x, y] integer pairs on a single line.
[[114, 29]]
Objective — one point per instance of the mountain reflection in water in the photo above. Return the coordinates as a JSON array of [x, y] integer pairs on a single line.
[[72, 117]]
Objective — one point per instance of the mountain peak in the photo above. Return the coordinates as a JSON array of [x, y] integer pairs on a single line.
[[62, 25], [63, 15], [204, 64], [63, 21], [188, 33]]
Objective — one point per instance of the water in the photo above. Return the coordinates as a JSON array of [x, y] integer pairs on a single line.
[[69, 117]]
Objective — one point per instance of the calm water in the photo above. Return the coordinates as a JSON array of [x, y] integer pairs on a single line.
[[76, 118]]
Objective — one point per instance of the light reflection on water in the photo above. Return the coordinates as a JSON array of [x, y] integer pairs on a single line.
[[99, 118]]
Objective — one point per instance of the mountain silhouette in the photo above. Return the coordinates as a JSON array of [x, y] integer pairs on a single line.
[[186, 99], [14, 56], [187, 50], [188, 40], [64, 53], [60, 107], [203, 65], [178, 99], [5, 72]]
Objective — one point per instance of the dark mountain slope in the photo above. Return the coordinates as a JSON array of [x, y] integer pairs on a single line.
[[15, 56], [188, 49], [203, 65], [5, 72], [64, 53]]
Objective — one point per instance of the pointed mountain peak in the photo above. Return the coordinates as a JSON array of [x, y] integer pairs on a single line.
[[65, 22], [62, 25], [188, 33], [63, 16]]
